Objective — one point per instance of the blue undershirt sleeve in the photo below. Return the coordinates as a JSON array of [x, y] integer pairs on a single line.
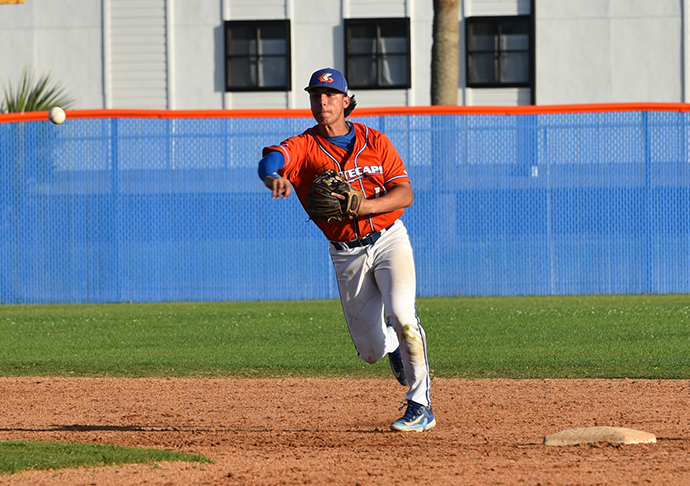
[[270, 164]]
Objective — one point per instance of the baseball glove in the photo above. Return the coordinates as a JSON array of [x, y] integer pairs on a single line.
[[323, 206]]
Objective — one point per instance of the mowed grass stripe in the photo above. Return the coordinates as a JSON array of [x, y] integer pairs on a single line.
[[18, 456], [561, 337], [637, 336]]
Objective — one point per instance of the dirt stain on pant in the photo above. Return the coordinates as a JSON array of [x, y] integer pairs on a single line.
[[413, 338]]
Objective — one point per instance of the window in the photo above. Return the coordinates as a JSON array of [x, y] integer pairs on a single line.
[[499, 51], [257, 55], [377, 53]]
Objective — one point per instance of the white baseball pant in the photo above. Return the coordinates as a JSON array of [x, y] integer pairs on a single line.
[[377, 283]]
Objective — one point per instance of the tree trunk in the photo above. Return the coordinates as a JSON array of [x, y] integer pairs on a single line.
[[445, 53]]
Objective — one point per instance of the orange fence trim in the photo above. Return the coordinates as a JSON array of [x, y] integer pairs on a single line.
[[359, 112]]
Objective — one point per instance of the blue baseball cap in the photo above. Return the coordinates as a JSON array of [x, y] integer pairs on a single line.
[[328, 78]]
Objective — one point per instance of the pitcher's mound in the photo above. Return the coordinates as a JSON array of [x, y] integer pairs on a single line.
[[586, 435]]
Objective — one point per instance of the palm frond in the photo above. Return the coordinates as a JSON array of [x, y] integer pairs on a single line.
[[35, 94]]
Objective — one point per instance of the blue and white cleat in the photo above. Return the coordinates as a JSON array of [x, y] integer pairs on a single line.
[[397, 367], [417, 418]]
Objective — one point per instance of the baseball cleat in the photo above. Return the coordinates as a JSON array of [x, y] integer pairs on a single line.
[[397, 366], [417, 418]]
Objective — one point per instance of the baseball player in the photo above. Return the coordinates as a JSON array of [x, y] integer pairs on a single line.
[[371, 253]]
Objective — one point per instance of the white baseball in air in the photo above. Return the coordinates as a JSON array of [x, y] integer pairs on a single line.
[[57, 115]]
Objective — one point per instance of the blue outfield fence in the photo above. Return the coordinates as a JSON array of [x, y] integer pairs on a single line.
[[152, 210]]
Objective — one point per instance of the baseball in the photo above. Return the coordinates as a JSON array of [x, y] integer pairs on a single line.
[[57, 115]]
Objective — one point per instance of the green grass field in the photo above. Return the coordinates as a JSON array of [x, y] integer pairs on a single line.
[[18, 456], [508, 337]]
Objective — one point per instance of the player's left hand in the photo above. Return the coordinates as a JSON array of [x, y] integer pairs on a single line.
[[279, 186], [359, 206]]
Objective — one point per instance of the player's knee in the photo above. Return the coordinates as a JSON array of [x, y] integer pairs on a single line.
[[370, 357]]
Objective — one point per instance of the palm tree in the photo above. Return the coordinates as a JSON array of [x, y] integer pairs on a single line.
[[35, 94], [445, 53]]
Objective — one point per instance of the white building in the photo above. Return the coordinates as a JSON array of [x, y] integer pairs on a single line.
[[200, 54]]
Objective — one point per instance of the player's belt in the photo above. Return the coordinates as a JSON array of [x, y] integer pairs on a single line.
[[369, 239]]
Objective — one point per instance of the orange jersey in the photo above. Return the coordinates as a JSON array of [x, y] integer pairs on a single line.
[[372, 167]]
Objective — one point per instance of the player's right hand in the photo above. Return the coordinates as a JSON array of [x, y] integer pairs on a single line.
[[279, 186]]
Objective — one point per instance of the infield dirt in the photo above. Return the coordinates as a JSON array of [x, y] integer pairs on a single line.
[[336, 431]]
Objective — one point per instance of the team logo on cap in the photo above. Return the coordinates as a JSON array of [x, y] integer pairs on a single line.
[[326, 78]]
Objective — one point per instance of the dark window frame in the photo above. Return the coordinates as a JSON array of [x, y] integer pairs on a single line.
[[377, 22], [257, 25], [499, 20]]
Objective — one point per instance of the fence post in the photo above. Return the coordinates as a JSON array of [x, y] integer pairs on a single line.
[[646, 225], [117, 219]]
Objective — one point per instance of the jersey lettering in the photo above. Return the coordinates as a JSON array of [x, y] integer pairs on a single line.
[[357, 172]]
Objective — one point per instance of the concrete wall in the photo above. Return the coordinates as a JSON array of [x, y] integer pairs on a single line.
[[595, 51], [61, 37], [197, 55], [587, 51]]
